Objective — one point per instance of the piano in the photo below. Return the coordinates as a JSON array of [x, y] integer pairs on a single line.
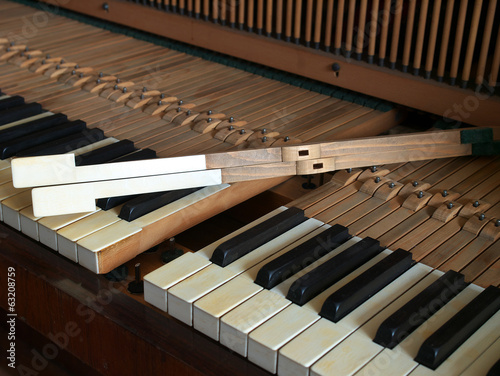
[[110, 292]]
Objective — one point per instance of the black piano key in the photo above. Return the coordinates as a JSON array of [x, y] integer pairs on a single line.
[[111, 202], [32, 126], [442, 343], [352, 295], [19, 112], [10, 102], [413, 314], [13, 147], [65, 144], [146, 203], [495, 370], [318, 280], [301, 256], [256, 236], [106, 153]]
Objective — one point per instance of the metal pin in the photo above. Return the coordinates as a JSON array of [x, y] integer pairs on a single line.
[[231, 119], [415, 183], [392, 185], [475, 204], [420, 194], [445, 193], [450, 205], [264, 139], [242, 131], [481, 216], [137, 285], [349, 170], [377, 179], [373, 168]]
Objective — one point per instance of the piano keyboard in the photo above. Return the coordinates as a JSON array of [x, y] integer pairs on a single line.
[[281, 336], [399, 206], [80, 237]]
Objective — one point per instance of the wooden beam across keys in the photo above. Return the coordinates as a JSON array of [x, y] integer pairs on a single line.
[[62, 187]]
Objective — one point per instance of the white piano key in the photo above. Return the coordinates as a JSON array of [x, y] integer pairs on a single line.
[[28, 220], [265, 341], [400, 360], [88, 248], [208, 310], [7, 190], [468, 352], [69, 235], [48, 227], [11, 207], [294, 358], [483, 363], [237, 324], [182, 296], [357, 349], [75, 198], [157, 282], [61, 169]]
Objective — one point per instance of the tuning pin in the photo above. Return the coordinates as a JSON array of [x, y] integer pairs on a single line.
[[475, 204], [420, 194], [450, 205], [415, 183], [373, 169], [377, 179]]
